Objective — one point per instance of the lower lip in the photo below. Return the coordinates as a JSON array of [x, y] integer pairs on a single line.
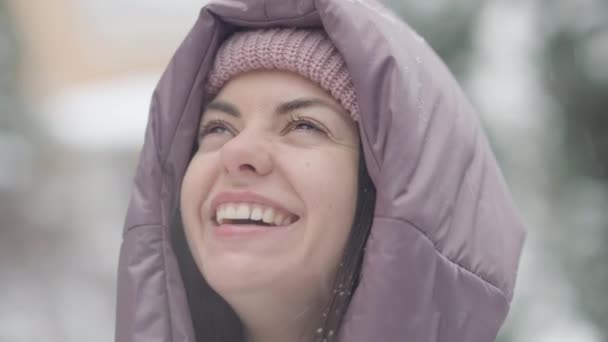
[[246, 230]]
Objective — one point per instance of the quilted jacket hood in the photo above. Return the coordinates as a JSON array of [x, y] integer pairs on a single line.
[[441, 259]]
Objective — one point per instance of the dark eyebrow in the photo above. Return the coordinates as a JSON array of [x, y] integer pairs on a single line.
[[302, 103], [224, 107], [283, 108]]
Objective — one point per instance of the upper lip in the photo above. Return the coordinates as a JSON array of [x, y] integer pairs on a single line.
[[245, 197]]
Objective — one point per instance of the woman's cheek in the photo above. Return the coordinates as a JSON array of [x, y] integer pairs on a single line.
[[196, 184]]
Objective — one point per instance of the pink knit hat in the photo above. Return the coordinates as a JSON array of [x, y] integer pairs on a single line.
[[308, 53]]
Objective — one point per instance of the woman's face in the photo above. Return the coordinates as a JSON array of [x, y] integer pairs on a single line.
[[268, 200]]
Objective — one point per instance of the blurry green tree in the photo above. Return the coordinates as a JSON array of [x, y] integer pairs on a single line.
[[575, 57], [446, 25], [17, 129], [11, 111]]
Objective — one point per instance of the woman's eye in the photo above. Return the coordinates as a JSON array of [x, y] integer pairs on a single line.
[[213, 128], [304, 125], [217, 130]]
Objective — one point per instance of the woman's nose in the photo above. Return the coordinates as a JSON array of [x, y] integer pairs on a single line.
[[246, 154]]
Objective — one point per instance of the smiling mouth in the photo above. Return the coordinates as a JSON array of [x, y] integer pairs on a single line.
[[248, 214]]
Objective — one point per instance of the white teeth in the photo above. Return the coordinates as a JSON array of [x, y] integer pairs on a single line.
[[278, 219], [230, 212], [256, 214], [243, 211], [268, 216], [219, 215]]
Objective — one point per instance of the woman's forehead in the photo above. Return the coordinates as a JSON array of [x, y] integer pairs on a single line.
[[272, 84], [280, 92]]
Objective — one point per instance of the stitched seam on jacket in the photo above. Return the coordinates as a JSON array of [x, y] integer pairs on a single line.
[[163, 232], [481, 278], [266, 10], [165, 229], [365, 137], [183, 109], [151, 126], [240, 20], [140, 225], [163, 266]]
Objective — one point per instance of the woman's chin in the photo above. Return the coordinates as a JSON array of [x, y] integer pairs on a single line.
[[242, 273]]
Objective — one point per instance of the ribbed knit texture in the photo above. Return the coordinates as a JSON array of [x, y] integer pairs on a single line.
[[308, 53]]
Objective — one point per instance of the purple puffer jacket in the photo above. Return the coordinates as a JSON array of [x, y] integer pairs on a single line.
[[442, 256]]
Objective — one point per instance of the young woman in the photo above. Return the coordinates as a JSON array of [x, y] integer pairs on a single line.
[[312, 172]]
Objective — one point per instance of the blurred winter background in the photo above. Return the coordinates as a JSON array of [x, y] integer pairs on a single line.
[[76, 77]]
